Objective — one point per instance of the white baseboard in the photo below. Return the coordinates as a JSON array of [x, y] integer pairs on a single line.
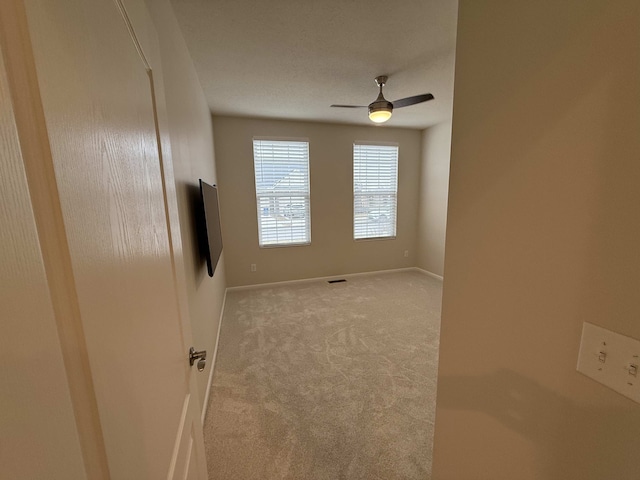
[[430, 274], [205, 406], [318, 279]]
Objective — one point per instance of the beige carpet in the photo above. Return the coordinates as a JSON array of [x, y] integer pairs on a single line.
[[316, 381]]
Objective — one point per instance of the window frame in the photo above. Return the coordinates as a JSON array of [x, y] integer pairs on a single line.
[[392, 236], [259, 194]]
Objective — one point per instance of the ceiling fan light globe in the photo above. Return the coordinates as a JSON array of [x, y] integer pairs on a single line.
[[379, 116], [380, 110]]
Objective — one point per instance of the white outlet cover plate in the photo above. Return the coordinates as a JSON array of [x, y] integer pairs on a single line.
[[621, 352]]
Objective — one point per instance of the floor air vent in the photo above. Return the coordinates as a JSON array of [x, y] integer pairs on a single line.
[[336, 281]]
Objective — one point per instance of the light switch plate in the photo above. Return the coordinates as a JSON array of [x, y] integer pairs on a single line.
[[611, 359]]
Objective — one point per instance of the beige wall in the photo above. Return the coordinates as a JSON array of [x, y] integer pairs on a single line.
[[193, 158], [543, 234], [333, 250], [434, 189]]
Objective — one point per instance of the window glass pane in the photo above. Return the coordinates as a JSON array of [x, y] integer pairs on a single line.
[[282, 192], [375, 189]]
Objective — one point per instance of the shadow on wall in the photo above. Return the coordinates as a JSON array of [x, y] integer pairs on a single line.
[[532, 411]]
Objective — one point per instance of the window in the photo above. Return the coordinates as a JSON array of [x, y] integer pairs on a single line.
[[282, 192], [375, 191]]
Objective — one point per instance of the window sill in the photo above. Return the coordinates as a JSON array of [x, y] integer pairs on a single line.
[[369, 239], [284, 245]]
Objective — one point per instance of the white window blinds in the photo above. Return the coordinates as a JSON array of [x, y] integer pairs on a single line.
[[282, 192], [375, 191]]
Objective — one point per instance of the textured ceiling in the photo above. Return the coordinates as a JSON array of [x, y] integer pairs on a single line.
[[291, 59]]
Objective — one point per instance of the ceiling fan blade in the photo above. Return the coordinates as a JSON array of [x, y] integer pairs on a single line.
[[350, 106], [405, 102]]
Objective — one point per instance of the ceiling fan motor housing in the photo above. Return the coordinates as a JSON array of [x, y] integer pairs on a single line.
[[379, 104]]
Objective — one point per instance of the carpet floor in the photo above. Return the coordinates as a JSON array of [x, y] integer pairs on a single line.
[[318, 381]]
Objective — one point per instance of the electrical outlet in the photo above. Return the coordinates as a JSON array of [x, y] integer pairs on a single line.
[[406, 253], [253, 267], [611, 359]]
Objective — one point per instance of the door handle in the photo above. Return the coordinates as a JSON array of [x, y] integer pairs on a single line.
[[201, 356]]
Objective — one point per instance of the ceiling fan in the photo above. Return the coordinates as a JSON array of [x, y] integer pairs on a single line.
[[380, 109]]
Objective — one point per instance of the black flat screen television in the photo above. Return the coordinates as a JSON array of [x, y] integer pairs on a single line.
[[211, 233]]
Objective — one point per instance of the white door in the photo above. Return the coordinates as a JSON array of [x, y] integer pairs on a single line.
[[98, 107], [32, 372]]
